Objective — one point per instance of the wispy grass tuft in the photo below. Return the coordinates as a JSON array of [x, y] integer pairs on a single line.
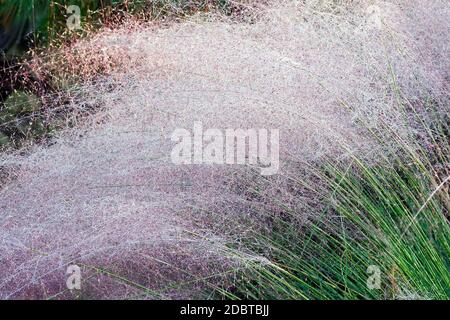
[[390, 216], [362, 112]]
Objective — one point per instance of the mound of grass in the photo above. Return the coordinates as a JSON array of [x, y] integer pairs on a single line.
[[323, 228], [384, 235]]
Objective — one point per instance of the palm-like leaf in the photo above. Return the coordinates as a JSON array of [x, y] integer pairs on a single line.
[[19, 19]]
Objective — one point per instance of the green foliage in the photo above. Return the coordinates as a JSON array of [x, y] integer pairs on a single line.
[[40, 19], [392, 215], [43, 20], [380, 225], [20, 118], [20, 102], [18, 20], [4, 140]]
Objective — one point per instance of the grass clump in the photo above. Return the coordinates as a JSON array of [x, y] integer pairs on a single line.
[[142, 227], [389, 217]]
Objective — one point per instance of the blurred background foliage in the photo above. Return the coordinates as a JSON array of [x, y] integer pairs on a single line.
[[29, 22], [19, 20], [24, 26], [30, 27]]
